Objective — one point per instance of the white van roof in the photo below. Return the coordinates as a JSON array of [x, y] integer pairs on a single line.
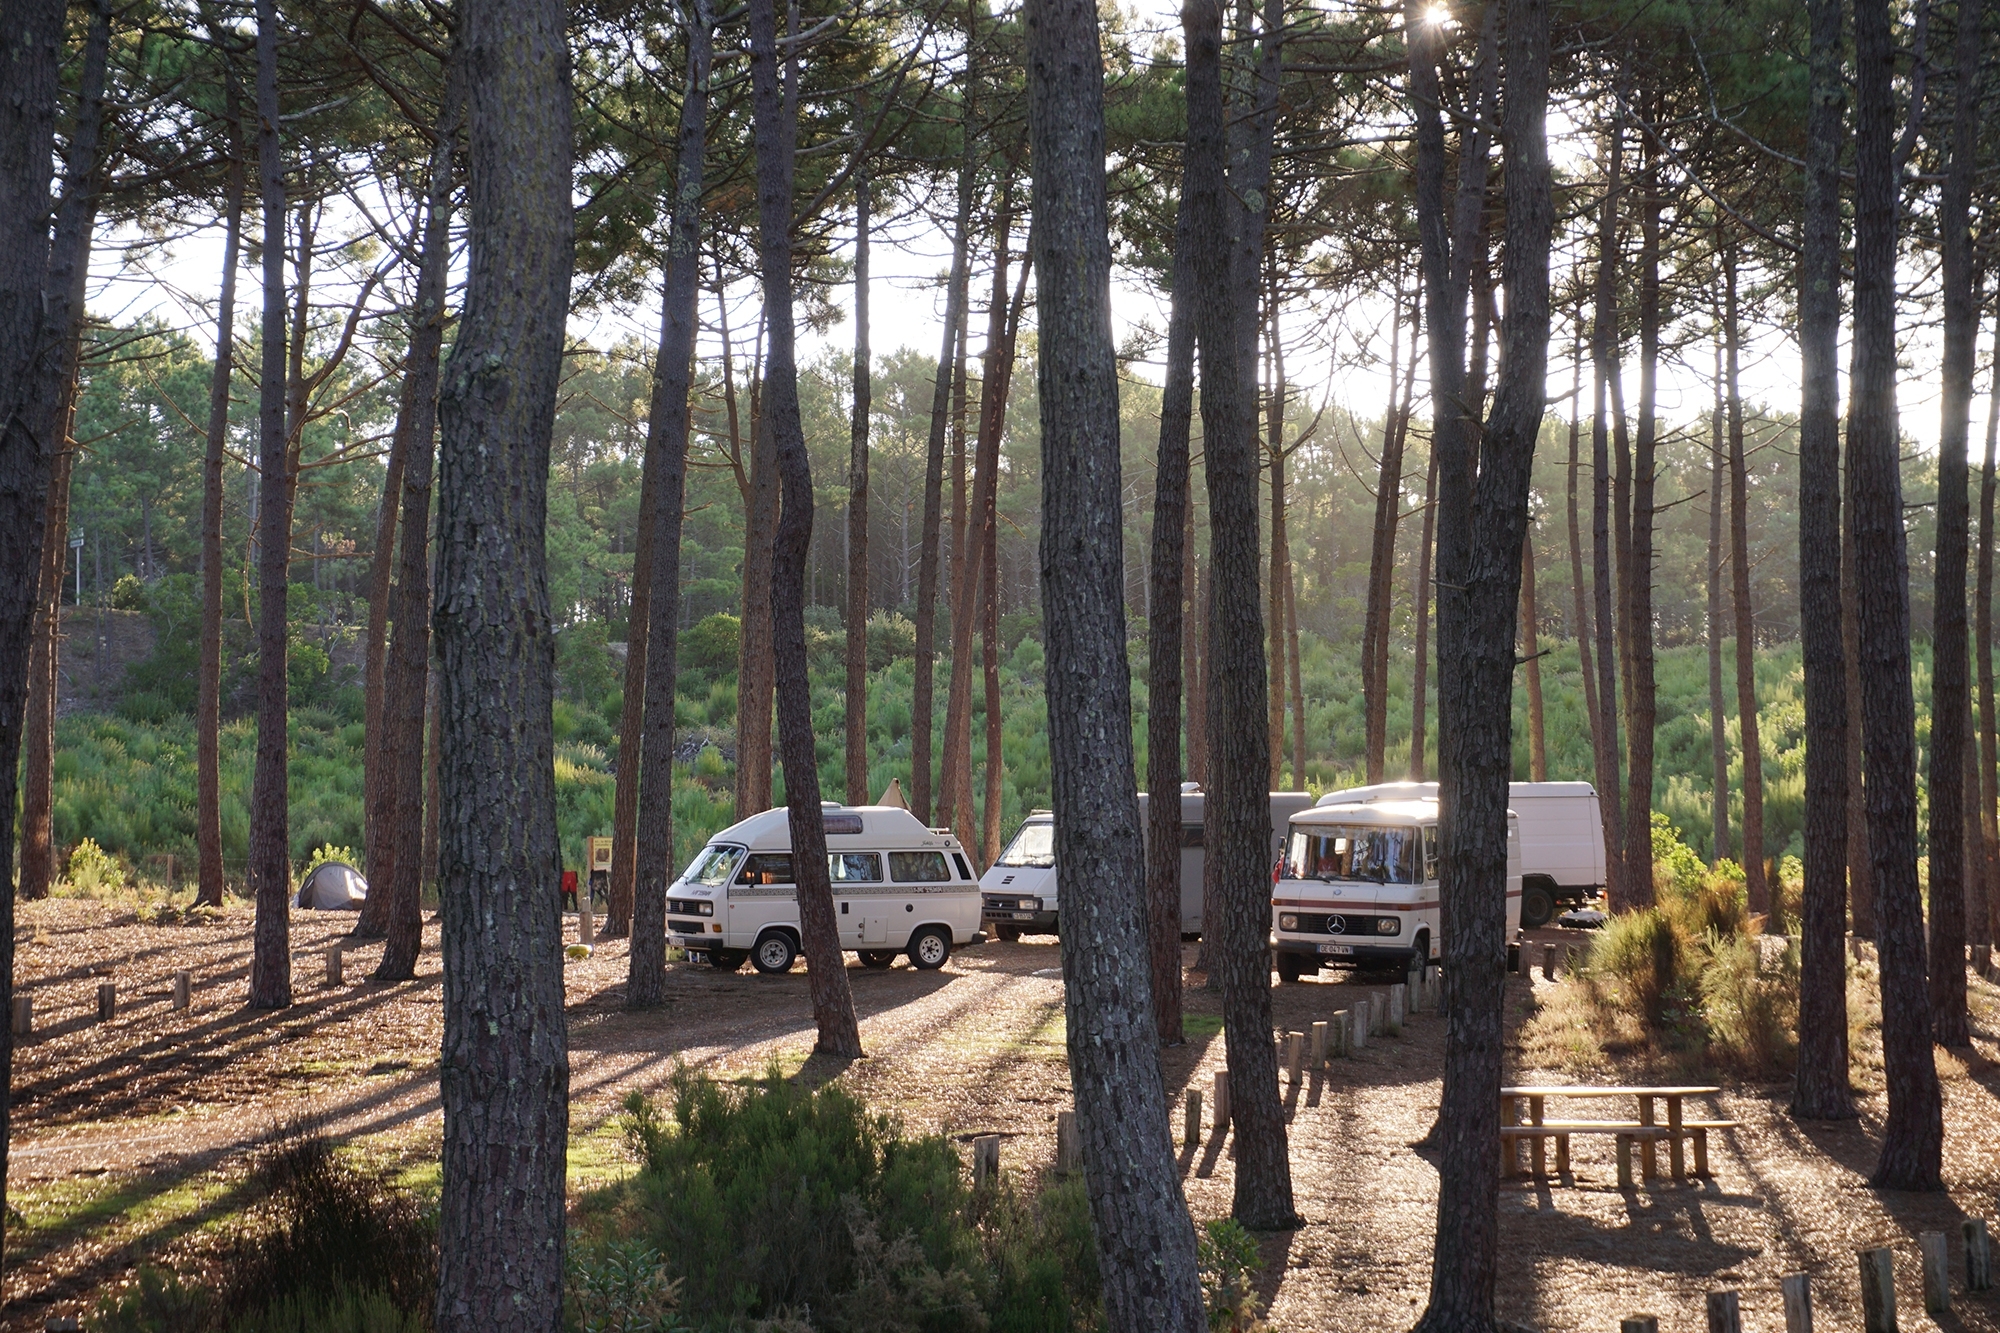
[[1423, 811], [874, 828], [1407, 791]]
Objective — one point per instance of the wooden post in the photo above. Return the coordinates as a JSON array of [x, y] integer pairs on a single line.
[[24, 1016], [1191, 1121], [1878, 1291], [1572, 960], [1399, 1004], [1798, 1303], [1937, 1271], [1378, 1013], [1725, 1313], [1358, 1033], [1317, 1060], [333, 967], [1295, 1054], [1069, 1149], [1221, 1101], [586, 925], [1625, 1161], [183, 989], [1978, 1255], [1342, 1032], [1433, 990], [1639, 1323], [1548, 962], [985, 1160], [107, 1001]]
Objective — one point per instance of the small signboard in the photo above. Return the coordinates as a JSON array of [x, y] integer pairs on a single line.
[[597, 856]]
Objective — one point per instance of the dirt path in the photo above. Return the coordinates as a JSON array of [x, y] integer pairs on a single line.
[[131, 1137]]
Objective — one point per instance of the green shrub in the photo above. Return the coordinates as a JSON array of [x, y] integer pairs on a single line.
[[156, 1302], [892, 637], [620, 1287], [1646, 957], [1229, 1262], [343, 1310], [707, 651], [1752, 1011], [328, 852], [93, 871], [128, 594]]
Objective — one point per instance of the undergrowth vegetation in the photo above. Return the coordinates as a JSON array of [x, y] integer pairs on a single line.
[[1692, 983]]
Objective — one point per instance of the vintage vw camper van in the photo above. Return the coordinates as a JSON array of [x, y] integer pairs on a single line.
[[1358, 887], [898, 887], [1021, 892]]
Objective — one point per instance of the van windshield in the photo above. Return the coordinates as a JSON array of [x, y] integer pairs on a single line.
[[1372, 853], [1034, 845], [712, 866]]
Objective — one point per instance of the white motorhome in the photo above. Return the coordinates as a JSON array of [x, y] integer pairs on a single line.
[[1020, 889], [898, 887], [1359, 887], [1562, 838]]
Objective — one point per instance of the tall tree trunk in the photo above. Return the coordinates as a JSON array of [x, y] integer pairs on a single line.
[[1483, 523], [1375, 622], [1238, 813], [504, 1070], [208, 704], [1580, 629], [1913, 1134], [1194, 646], [1718, 709], [1292, 580], [1989, 818], [923, 689], [51, 412], [1145, 1240], [30, 50], [1538, 743], [1761, 899], [857, 505], [989, 654], [775, 106], [1280, 582], [1636, 573], [1860, 862], [755, 681], [1421, 615], [407, 689], [1950, 697], [270, 854], [1167, 641], [666, 459], [632, 721], [377, 803], [1604, 352]]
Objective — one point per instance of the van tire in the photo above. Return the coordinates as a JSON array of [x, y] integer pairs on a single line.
[[879, 959], [1011, 934], [1538, 904], [1290, 968], [727, 960], [775, 952], [929, 948]]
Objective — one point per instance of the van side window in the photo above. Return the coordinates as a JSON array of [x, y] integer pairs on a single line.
[[767, 868], [854, 867], [919, 868], [1430, 853], [964, 870]]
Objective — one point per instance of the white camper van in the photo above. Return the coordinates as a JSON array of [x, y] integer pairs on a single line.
[[898, 887], [1359, 887], [1562, 838], [1020, 888]]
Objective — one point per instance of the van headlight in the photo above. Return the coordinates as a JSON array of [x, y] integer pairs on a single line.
[[1388, 925], [1288, 921]]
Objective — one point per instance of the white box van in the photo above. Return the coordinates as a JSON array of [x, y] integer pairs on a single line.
[[898, 887], [1359, 886], [1562, 839], [1020, 890]]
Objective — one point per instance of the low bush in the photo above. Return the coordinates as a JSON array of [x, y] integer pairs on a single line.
[[92, 871]]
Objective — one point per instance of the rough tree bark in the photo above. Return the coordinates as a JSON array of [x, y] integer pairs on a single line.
[[1420, 612], [270, 828], [30, 50], [666, 460], [1145, 1240], [1238, 813], [763, 507], [1580, 630], [1382, 553], [1538, 743], [1483, 521], [1951, 1024], [1636, 572], [1989, 733], [1913, 1133], [69, 271], [504, 1067], [1604, 353], [1761, 899], [1718, 709], [857, 505], [775, 105], [208, 702], [406, 690], [631, 723], [1860, 862]]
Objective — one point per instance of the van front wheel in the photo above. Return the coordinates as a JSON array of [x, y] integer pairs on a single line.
[[929, 948], [728, 960], [774, 953], [877, 958], [1538, 905]]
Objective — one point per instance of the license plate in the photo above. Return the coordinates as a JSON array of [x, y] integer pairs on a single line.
[[1023, 916], [1342, 950]]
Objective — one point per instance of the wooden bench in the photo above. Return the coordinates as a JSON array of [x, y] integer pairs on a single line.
[[1627, 1132]]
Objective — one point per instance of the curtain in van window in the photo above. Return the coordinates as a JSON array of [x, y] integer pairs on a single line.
[[919, 868]]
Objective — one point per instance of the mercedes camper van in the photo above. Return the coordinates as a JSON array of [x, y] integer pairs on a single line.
[[898, 887], [1562, 839], [1359, 887], [1020, 888]]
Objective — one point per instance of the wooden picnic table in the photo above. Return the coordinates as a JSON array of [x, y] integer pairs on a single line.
[[1533, 1100]]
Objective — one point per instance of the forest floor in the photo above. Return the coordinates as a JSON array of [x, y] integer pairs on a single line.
[[131, 1138]]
